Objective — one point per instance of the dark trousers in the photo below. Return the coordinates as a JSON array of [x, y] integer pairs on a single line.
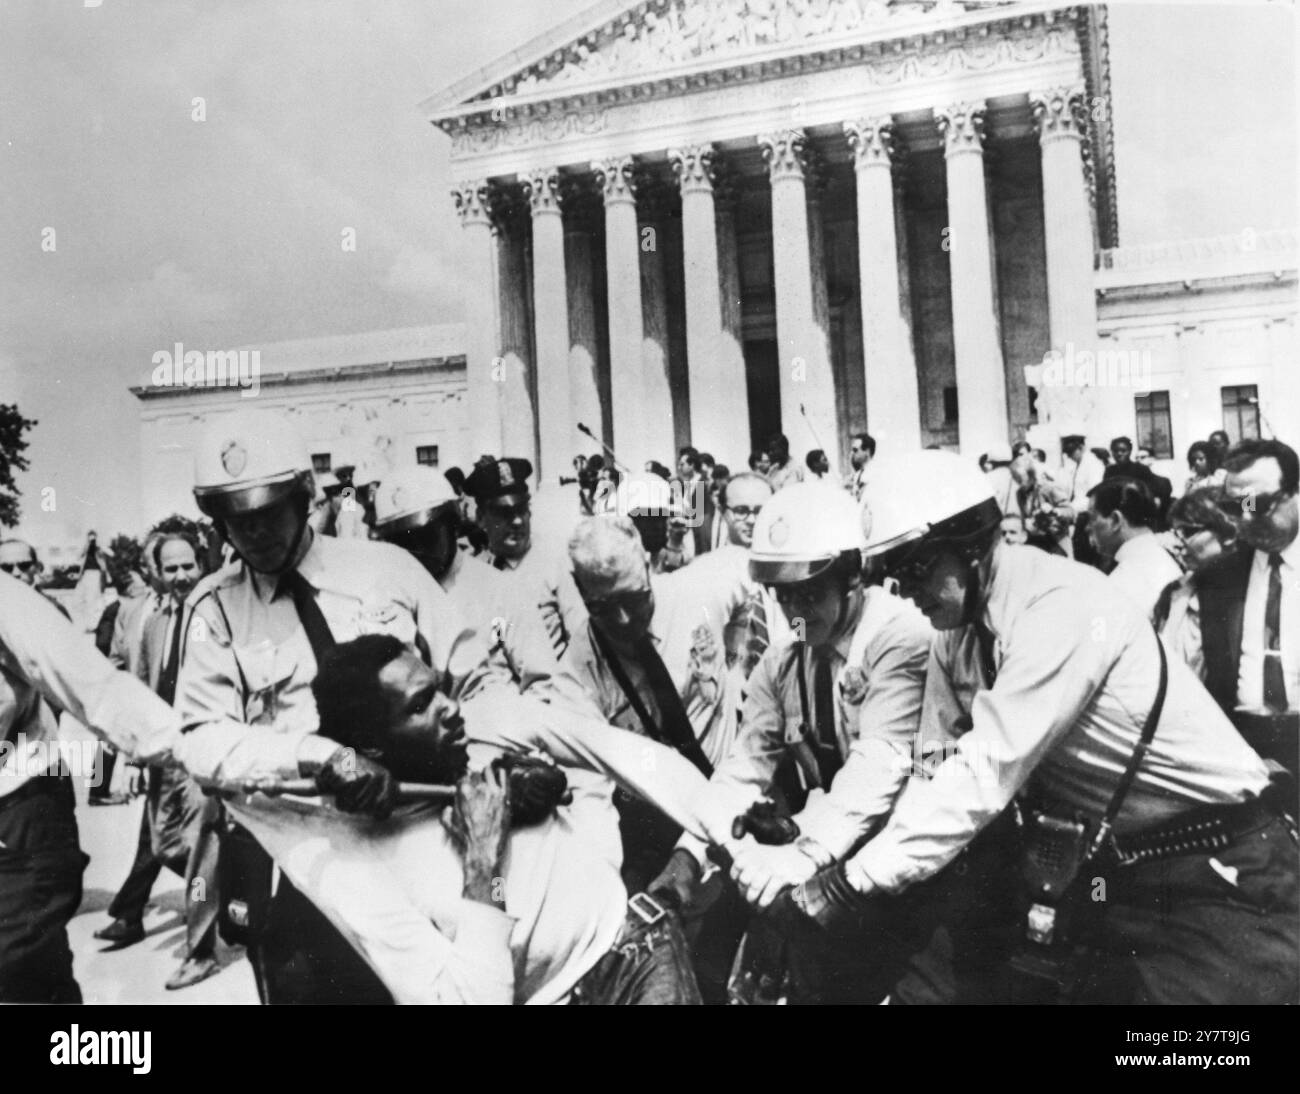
[[198, 863], [1201, 928], [649, 965], [301, 957], [105, 762], [41, 864]]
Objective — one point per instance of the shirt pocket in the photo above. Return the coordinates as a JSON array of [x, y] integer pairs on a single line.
[[269, 672]]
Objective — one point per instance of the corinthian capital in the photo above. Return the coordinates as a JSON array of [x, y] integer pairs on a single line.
[[785, 152], [872, 141], [542, 188], [473, 202], [694, 167], [962, 126], [615, 177], [1059, 112]]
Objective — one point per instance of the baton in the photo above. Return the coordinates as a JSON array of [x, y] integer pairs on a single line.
[[306, 788], [617, 462]]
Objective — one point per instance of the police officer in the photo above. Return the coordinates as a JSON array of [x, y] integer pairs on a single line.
[[417, 510], [257, 630], [503, 509], [1047, 681], [832, 711]]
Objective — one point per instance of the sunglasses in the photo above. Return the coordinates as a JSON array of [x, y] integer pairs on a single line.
[[632, 603], [21, 567], [1251, 506]]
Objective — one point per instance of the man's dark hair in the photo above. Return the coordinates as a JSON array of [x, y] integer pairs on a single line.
[[1226, 441], [349, 700], [1121, 440], [155, 548], [656, 468], [1102, 454], [456, 477], [691, 455], [868, 442], [1040, 455], [721, 472], [778, 448], [1071, 441], [814, 458], [1199, 509], [1244, 453], [707, 460], [1130, 497]]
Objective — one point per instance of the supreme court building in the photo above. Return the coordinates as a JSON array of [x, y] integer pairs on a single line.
[[700, 221]]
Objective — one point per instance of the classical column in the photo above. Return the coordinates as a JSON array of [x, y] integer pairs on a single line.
[[719, 405], [807, 384], [556, 433], [623, 279], [981, 380], [515, 367], [483, 366], [657, 416], [584, 342], [893, 405], [1071, 300]]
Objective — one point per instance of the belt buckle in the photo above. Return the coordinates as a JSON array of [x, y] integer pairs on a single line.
[[647, 909]]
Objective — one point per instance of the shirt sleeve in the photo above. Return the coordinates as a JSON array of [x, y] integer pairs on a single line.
[[565, 727], [880, 759], [1055, 661], [71, 675], [747, 771]]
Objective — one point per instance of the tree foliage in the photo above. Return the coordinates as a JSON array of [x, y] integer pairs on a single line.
[[12, 445]]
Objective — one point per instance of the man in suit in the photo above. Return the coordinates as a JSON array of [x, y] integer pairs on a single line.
[[1250, 601], [176, 811]]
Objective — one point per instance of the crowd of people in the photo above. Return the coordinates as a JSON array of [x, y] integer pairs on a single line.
[[686, 735]]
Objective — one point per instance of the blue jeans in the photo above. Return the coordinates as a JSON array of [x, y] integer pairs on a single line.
[[649, 964]]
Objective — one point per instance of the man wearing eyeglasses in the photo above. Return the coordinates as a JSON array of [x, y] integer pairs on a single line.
[[1250, 601], [18, 559]]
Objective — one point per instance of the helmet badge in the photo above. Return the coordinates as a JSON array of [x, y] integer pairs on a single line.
[[779, 533], [234, 457]]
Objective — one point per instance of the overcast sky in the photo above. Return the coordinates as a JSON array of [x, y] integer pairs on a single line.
[[226, 232]]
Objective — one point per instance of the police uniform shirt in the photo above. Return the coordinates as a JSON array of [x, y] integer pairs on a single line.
[[691, 611], [489, 601], [877, 710], [1077, 672], [1250, 669], [248, 661], [45, 662]]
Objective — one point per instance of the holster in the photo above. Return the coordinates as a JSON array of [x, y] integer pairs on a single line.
[[244, 878], [1050, 958]]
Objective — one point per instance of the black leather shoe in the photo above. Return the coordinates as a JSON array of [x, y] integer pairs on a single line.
[[121, 932]]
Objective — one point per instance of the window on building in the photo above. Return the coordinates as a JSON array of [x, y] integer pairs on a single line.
[[426, 455], [1154, 429], [320, 462], [949, 405], [1240, 412]]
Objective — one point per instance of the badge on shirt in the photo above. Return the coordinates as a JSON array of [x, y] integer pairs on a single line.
[[853, 686]]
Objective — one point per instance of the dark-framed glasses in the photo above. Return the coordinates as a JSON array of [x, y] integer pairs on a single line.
[[19, 567]]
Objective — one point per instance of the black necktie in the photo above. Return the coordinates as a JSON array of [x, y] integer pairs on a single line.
[[309, 613], [984, 640], [673, 721], [1274, 679], [828, 744], [172, 666]]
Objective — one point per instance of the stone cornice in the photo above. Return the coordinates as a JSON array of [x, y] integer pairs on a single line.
[[340, 374]]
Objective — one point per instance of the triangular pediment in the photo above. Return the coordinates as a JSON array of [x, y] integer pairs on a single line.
[[616, 41]]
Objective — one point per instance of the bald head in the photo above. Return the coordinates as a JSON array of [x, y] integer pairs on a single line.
[[612, 572], [18, 559]]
